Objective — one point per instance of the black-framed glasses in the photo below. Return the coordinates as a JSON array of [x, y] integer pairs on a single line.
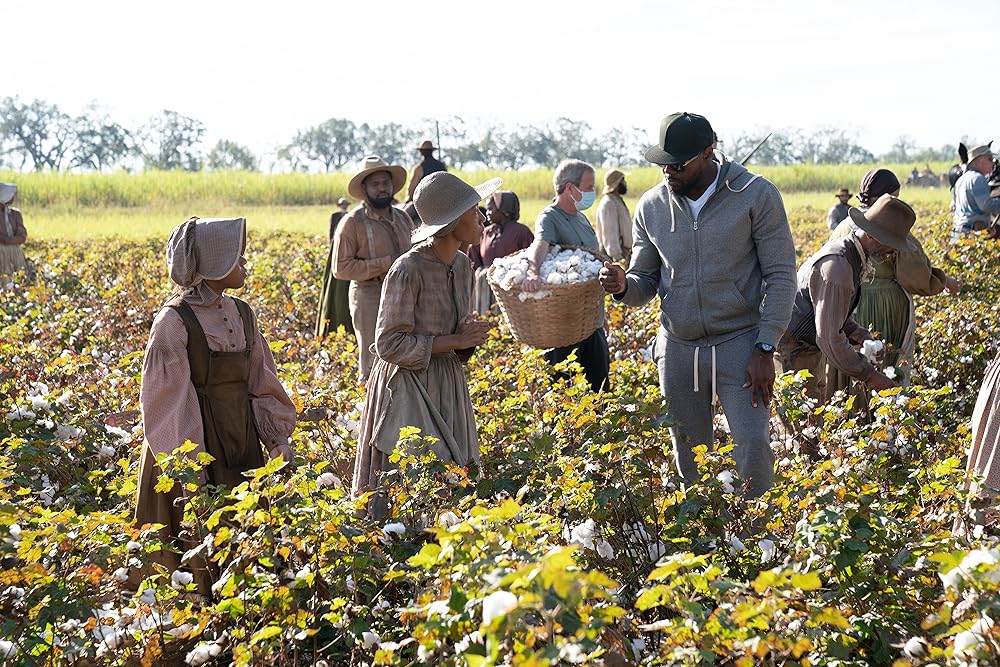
[[678, 167]]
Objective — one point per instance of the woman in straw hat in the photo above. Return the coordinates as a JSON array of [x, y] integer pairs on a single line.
[[424, 325], [208, 377], [886, 301], [12, 233]]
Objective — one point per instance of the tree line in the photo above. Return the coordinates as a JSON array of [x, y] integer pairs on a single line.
[[40, 136]]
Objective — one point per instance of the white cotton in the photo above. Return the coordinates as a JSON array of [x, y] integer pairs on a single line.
[[7, 649], [327, 480], [369, 639], [120, 575], [133, 546], [498, 604], [767, 550], [202, 653], [736, 544], [604, 549], [870, 349], [583, 534], [148, 596], [448, 519], [180, 579], [890, 372], [394, 528], [726, 479], [106, 452], [15, 531]]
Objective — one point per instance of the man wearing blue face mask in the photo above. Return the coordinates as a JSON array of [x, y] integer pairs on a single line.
[[563, 223]]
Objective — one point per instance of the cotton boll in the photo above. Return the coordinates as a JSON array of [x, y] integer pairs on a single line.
[[498, 604], [767, 550], [726, 479], [369, 639], [583, 534], [555, 279], [120, 575], [7, 649], [604, 549], [394, 528], [180, 579]]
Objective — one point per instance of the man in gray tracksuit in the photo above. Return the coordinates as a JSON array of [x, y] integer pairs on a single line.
[[712, 240]]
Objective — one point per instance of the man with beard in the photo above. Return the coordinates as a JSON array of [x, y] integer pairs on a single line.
[[708, 239], [822, 337], [614, 225], [367, 241]]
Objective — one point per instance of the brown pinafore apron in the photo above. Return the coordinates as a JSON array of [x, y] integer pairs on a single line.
[[221, 382]]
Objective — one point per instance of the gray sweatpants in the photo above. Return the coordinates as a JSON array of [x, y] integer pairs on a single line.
[[693, 411]]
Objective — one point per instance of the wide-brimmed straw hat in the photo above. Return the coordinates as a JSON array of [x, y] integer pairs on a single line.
[[442, 198], [980, 150], [7, 192], [888, 220], [426, 145], [369, 166], [843, 192], [612, 180]]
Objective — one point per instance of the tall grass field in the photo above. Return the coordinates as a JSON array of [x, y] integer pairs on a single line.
[[150, 204]]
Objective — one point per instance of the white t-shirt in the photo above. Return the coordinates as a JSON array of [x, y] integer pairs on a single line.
[[697, 205]]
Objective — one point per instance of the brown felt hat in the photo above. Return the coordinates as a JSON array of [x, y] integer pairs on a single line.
[[426, 145], [843, 192], [369, 166], [888, 220]]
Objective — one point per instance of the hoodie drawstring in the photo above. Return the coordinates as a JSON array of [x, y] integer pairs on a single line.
[[730, 188], [714, 387]]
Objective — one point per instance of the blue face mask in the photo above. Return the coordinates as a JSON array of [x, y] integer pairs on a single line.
[[587, 201]]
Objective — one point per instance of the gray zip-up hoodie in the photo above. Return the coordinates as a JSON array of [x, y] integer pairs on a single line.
[[712, 274]]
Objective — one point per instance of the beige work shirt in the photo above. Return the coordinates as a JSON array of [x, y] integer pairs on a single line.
[[367, 242]]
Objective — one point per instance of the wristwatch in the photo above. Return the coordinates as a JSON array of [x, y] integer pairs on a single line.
[[766, 348]]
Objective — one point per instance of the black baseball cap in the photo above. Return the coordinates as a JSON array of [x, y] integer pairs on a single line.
[[682, 136]]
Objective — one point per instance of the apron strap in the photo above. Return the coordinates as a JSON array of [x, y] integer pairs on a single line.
[[246, 314], [196, 342]]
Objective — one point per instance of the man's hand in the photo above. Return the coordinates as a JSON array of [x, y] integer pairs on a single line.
[[285, 452], [952, 286], [879, 382], [612, 278], [859, 336], [760, 377], [532, 283]]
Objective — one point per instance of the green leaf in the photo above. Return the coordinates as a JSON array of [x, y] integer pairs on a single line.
[[427, 557], [266, 633], [806, 581]]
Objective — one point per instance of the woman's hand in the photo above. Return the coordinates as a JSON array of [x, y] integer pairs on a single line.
[[285, 452], [532, 283], [472, 332]]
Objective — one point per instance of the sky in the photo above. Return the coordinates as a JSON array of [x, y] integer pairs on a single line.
[[256, 72]]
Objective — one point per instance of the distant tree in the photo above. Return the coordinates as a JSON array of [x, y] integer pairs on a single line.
[[333, 143], [835, 146], [781, 148], [623, 147], [392, 142], [172, 141], [100, 142], [902, 150], [232, 156], [37, 132]]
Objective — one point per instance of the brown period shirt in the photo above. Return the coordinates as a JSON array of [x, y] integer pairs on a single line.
[[832, 288], [367, 242], [18, 233]]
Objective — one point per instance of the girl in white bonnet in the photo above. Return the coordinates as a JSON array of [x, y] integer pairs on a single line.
[[208, 376]]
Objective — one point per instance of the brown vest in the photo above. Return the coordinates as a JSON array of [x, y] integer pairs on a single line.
[[221, 382], [802, 326]]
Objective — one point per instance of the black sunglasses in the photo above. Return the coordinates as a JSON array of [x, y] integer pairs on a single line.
[[677, 167]]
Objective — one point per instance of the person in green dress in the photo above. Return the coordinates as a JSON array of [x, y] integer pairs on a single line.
[[886, 305], [334, 303]]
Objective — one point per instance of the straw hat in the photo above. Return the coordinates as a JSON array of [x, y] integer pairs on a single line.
[[442, 198], [426, 145], [343, 202], [369, 166], [612, 180], [843, 192], [7, 192], [888, 220], [980, 150]]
